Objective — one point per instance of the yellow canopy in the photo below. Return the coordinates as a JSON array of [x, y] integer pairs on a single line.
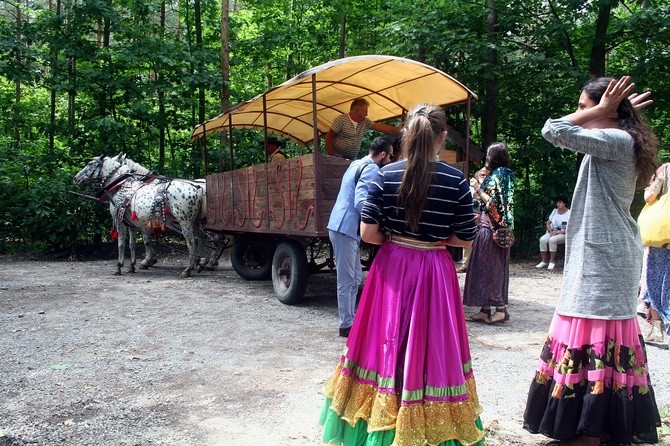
[[314, 98]]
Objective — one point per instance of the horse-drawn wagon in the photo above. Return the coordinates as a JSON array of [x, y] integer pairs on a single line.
[[278, 212]]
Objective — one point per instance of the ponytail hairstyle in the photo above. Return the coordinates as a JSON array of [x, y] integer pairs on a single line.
[[425, 125], [632, 122]]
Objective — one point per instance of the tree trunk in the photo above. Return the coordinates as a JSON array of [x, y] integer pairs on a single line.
[[343, 33], [71, 72], [71, 93], [225, 77], [597, 63], [55, 77], [161, 100], [199, 155], [490, 118], [17, 83], [599, 48], [191, 68], [106, 39]]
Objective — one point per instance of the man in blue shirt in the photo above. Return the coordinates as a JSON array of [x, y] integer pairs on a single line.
[[344, 224]]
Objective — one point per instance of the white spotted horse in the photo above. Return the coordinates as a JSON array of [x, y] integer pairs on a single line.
[[149, 204]]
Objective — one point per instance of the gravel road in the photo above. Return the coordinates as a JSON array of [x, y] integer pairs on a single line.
[[89, 358]]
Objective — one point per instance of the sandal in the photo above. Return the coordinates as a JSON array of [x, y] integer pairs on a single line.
[[499, 316], [483, 315]]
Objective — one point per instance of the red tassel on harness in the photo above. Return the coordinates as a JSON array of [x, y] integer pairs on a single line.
[[133, 216], [166, 211], [114, 234]]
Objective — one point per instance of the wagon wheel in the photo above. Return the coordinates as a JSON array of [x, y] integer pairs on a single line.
[[290, 272], [251, 257]]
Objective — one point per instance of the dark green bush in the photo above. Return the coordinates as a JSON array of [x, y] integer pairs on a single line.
[[44, 216]]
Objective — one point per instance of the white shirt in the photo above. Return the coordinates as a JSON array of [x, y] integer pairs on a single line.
[[557, 219]]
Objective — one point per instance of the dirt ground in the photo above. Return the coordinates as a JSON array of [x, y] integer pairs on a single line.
[[89, 358]]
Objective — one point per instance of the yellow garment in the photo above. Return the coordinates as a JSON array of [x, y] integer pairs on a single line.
[[654, 221]]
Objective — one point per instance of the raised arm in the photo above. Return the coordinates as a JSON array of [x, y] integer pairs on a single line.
[[616, 92], [384, 128]]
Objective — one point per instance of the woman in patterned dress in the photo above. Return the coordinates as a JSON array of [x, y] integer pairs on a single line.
[[487, 281], [406, 375], [592, 382]]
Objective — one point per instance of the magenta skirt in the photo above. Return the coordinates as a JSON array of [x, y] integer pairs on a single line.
[[405, 377], [592, 380]]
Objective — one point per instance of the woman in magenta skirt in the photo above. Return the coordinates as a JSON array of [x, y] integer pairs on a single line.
[[592, 383], [406, 375]]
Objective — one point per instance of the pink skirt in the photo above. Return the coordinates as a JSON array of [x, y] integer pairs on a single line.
[[407, 366], [592, 380]]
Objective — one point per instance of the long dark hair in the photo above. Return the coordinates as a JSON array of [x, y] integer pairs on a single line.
[[425, 125], [497, 155], [631, 121]]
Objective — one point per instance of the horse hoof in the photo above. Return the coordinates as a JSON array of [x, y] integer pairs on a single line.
[[143, 266], [152, 262], [186, 273], [132, 271], [117, 273]]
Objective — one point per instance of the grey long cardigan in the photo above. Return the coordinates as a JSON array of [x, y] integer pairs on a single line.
[[603, 250]]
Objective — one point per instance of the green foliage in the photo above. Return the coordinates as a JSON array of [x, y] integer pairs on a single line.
[[123, 90], [39, 213]]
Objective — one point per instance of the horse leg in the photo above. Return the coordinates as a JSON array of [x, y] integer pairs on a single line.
[[202, 248], [132, 243], [217, 243], [189, 236], [220, 243], [150, 255], [121, 243]]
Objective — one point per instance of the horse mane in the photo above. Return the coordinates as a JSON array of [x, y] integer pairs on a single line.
[[137, 168]]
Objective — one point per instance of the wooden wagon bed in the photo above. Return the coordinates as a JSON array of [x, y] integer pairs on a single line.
[[290, 197]]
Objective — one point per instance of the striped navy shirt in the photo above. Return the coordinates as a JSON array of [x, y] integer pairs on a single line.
[[448, 205]]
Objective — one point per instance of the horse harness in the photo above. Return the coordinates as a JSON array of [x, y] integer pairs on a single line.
[[127, 185]]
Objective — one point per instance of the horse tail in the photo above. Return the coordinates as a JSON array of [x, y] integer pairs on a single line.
[[202, 191]]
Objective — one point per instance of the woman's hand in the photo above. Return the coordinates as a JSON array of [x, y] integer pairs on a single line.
[[483, 196], [638, 101], [616, 92]]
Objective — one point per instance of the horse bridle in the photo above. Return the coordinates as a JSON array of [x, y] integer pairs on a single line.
[[98, 182]]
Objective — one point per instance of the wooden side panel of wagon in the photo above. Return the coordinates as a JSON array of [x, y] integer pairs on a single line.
[[290, 197]]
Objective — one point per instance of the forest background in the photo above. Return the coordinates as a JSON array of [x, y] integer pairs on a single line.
[[79, 78]]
